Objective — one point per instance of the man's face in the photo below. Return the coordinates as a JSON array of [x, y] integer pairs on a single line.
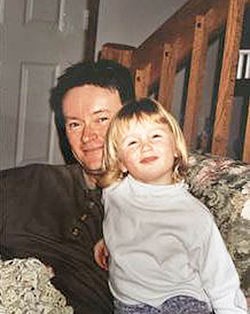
[[87, 111]]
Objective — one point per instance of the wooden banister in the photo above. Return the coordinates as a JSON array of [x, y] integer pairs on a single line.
[[167, 75], [187, 34], [142, 79], [227, 78], [120, 53], [195, 95], [181, 25]]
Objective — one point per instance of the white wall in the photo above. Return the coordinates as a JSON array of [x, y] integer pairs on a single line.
[[130, 22]]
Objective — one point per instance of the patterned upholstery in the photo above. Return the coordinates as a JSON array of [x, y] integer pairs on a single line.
[[223, 185]]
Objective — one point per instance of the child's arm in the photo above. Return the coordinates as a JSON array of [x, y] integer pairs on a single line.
[[101, 254], [219, 276]]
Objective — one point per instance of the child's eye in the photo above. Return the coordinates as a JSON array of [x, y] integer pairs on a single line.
[[156, 135], [131, 143]]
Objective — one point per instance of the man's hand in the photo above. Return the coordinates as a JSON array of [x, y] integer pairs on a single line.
[[101, 254]]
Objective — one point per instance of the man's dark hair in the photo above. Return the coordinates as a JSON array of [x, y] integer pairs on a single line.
[[103, 73]]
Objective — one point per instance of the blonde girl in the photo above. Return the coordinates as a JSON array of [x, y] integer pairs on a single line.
[[166, 253]]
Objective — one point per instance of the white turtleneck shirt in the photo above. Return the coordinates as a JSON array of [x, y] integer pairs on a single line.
[[163, 242]]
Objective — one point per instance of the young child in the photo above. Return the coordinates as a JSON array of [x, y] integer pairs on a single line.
[[166, 253]]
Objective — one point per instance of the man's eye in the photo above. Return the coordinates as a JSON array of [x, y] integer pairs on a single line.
[[72, 125], [102, 119]]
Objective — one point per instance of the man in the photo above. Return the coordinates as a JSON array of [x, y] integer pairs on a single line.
[[54, 213]]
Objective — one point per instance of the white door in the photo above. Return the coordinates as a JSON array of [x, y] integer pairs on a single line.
[[38, 39]]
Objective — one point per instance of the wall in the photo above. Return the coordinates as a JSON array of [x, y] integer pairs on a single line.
[[130, 22]]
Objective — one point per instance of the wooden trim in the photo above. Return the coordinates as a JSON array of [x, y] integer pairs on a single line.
[[157, 59], [180, 25], [194, 98], [227, 78], [246, 149], [120, 53], [90, 33], [167, 77], [142, 79]]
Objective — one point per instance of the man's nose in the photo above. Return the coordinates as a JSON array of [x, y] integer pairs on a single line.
[[88, 133]]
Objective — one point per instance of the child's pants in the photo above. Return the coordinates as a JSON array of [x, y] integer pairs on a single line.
[[175, 305]]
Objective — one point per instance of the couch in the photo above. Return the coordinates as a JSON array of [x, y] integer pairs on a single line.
[[223, 184]]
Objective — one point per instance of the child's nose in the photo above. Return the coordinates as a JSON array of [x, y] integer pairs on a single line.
[[146, 145]]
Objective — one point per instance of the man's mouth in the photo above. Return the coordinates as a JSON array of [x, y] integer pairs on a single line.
[[148, 159], [92, 149]]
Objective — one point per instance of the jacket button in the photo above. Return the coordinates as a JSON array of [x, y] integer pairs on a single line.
[[91, 204], [83, 217], [75, 231]]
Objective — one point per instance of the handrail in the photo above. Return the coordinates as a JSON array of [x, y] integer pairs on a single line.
[[187, 34], [178, 30]]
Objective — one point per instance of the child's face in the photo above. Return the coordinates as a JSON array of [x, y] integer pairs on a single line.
[[147, 152]]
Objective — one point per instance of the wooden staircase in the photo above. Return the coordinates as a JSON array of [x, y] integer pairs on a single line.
[[187, 35]]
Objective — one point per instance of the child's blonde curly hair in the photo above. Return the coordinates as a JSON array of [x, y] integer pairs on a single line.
[[130, 114]]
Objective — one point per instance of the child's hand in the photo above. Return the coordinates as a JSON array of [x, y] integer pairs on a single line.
[[101, 254]]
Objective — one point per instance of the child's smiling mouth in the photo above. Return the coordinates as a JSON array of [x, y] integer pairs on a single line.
[[148, 159]]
